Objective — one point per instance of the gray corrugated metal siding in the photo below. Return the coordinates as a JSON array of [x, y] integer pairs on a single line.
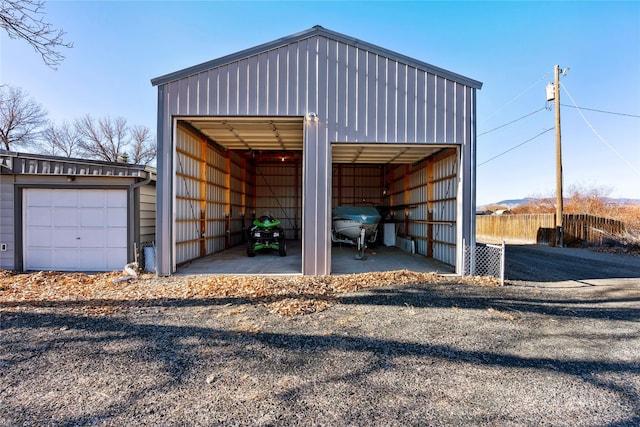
[[361, 93]]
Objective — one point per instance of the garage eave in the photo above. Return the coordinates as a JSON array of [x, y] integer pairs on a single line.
[[36, 164]]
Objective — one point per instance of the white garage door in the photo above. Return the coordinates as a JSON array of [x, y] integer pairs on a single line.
[[75, 230]]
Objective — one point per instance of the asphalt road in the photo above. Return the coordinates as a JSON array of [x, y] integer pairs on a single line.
[[539, 265]]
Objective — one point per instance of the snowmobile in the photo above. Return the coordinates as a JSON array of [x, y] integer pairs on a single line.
[[266, 233]]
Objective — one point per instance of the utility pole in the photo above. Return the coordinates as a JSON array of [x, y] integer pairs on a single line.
[[559, 200]]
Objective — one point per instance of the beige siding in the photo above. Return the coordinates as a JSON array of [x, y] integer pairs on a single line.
[[147, 209]]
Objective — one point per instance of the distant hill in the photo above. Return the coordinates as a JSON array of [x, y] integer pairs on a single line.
[[512, 203]]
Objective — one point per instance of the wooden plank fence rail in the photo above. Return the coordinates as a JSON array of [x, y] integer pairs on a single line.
[[540, 228]]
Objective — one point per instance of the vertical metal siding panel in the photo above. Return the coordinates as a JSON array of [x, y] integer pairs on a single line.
[[362, 106], [332, 90], [312, 74], [302, 81], [421, 107], [243, 87], [193, 93], [292, 80], [322, 80], [316, 251], [212, 95], [352, 96], [253, 86], [223, 91], [372, 97], [263, 89], [460, 114], [440, 109], [182, 96], [232, 81], [450, 111], [283, 76], [401, 104], [411, 127], [203, 90], [432, 104], [272, 83], [342, 92], [391, 122], [382, 84]]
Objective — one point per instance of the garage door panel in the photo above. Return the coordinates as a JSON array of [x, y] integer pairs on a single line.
[[117, 200], [64, 237], [40, 216], [64, 198], [116, 217], [116, 237], [92, 217], [41, 259], [115, 260], [64, 217], [91, 238], [43, 198], [92, 199], [40, 237], [75, 229], [65, 259]]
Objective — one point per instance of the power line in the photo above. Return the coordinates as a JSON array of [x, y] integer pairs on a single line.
[[611, 147], [600, 111], [514, 147], [513, 121], [517, 96]]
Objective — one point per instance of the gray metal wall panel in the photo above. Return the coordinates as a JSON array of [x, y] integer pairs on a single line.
[[7, 213]]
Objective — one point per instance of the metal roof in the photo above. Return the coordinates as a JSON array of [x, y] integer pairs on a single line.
[[315, 31]]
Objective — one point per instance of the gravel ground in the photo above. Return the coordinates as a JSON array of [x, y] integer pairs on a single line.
[[415, 354]]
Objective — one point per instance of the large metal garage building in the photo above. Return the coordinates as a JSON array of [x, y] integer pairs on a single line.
[[300, 125]]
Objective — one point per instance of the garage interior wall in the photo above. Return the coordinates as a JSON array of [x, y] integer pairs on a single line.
[[220, 192], [421, 199]]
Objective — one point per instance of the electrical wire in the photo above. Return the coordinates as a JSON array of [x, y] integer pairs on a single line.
[[517, 96], [516, 146], [611, 147], [511, 122], [601, 111]]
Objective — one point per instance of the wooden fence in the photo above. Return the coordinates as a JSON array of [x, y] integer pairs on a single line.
[[540, 228]]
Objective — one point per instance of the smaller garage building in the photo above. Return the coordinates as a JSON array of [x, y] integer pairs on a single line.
[[67, 214]]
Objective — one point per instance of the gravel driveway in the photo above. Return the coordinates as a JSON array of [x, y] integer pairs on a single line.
[[415, 354]]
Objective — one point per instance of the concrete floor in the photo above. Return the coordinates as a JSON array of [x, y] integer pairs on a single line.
[[384, 258]]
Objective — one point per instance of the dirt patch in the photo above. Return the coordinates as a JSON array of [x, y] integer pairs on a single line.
[[173, 351], [286, 295]]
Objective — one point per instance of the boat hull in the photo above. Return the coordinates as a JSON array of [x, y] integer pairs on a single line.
[[349, 221]]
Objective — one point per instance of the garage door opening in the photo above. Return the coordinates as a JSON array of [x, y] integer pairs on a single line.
[[413, 187], [231, 171]]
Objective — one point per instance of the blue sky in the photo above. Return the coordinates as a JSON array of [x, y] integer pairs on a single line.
[[509, 46]]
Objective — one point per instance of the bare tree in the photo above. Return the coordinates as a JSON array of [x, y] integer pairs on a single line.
[[21, 118], [144, 147], [62, 140], [104, 139], [114, 140], [24, 19]]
